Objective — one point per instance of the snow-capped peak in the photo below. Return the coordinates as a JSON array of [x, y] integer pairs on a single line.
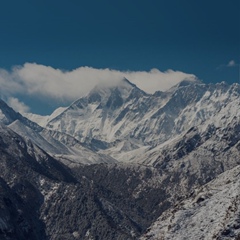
[[103, 91]]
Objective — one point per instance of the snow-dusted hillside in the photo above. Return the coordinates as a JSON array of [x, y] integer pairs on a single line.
[[211, 212], [42, 199]]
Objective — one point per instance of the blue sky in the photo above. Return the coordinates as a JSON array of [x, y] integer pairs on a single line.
[[193, 37]]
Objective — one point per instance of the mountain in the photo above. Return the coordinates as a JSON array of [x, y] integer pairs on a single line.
[[40, 198], [124, 122], [8, 116], [119, 163], [60, 145], [95, 116]]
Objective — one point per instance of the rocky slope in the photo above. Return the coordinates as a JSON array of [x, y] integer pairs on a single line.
[[40, 198], [211, 212]]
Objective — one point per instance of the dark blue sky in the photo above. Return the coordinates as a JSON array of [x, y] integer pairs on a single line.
[[191, 36]]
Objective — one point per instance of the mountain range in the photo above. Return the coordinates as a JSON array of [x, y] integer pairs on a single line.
[[120, 163]]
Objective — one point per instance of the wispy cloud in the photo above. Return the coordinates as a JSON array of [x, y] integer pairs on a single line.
[[232, 64], [155, 80], [9, 84], [40, 80], [17, 105]]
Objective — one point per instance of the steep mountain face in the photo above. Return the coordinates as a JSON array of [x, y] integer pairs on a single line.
[[8, 116], [95, 116], [60, 145], [22, 163]]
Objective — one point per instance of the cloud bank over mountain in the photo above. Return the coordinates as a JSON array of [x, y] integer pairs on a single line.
[[32, 78], [39, 81]]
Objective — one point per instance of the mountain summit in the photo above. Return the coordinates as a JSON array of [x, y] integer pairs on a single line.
[[111, 94], [101, 107]]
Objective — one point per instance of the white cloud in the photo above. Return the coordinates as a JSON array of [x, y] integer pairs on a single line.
[[156, 80], [17, 105], [40, 80], [231, 64], [8, 83]]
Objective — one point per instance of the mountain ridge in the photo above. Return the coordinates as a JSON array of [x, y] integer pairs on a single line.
[[144, 120], [129, 159]]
